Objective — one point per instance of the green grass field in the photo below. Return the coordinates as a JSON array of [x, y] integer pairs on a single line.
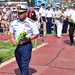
[[7, 50]]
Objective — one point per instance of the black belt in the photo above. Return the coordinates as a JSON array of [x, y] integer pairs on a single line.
[[60, 19], [29, 42], [57, 18]]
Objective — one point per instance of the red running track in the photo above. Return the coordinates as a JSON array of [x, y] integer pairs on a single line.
[[57, 57]]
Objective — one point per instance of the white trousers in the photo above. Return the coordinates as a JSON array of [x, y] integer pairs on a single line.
[[59, 27]]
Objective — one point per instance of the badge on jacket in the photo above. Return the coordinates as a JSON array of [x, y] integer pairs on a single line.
[[27, 25]]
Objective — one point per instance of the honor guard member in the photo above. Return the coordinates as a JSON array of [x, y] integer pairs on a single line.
[[59, 22], [72, 27], [65, 23], [49, 16], [42, 14], [24, 48]]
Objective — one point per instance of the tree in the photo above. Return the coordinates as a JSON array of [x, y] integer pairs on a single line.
[[31, 3]]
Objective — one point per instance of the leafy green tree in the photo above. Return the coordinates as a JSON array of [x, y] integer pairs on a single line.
[[31, 3]]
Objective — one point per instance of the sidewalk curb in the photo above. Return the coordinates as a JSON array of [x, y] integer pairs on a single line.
[[11, 60]]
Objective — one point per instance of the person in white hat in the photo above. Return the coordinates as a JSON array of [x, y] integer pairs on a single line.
[[14, 14], [59, 22], [49, 16], [24, 47], [42, 19]]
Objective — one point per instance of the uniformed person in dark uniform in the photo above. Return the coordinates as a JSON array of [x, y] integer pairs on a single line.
[[24, 48], [71, 32], [72, 27]]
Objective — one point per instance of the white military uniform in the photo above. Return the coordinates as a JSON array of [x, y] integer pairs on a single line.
[[28, 26], [38, 17], [42, 19], [49, 13], [58, 23], [42, 11], [70, 11]]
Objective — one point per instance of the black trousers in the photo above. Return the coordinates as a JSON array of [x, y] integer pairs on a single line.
[[71, 32], [65, 26], [41, 26], [48, 25]]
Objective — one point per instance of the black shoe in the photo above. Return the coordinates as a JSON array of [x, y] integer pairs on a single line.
[[71, 44]]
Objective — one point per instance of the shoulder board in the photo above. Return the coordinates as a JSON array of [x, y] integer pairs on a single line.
[[31, 20]]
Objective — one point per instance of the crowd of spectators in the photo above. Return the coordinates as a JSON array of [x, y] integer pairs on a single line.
[[9, 13]]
